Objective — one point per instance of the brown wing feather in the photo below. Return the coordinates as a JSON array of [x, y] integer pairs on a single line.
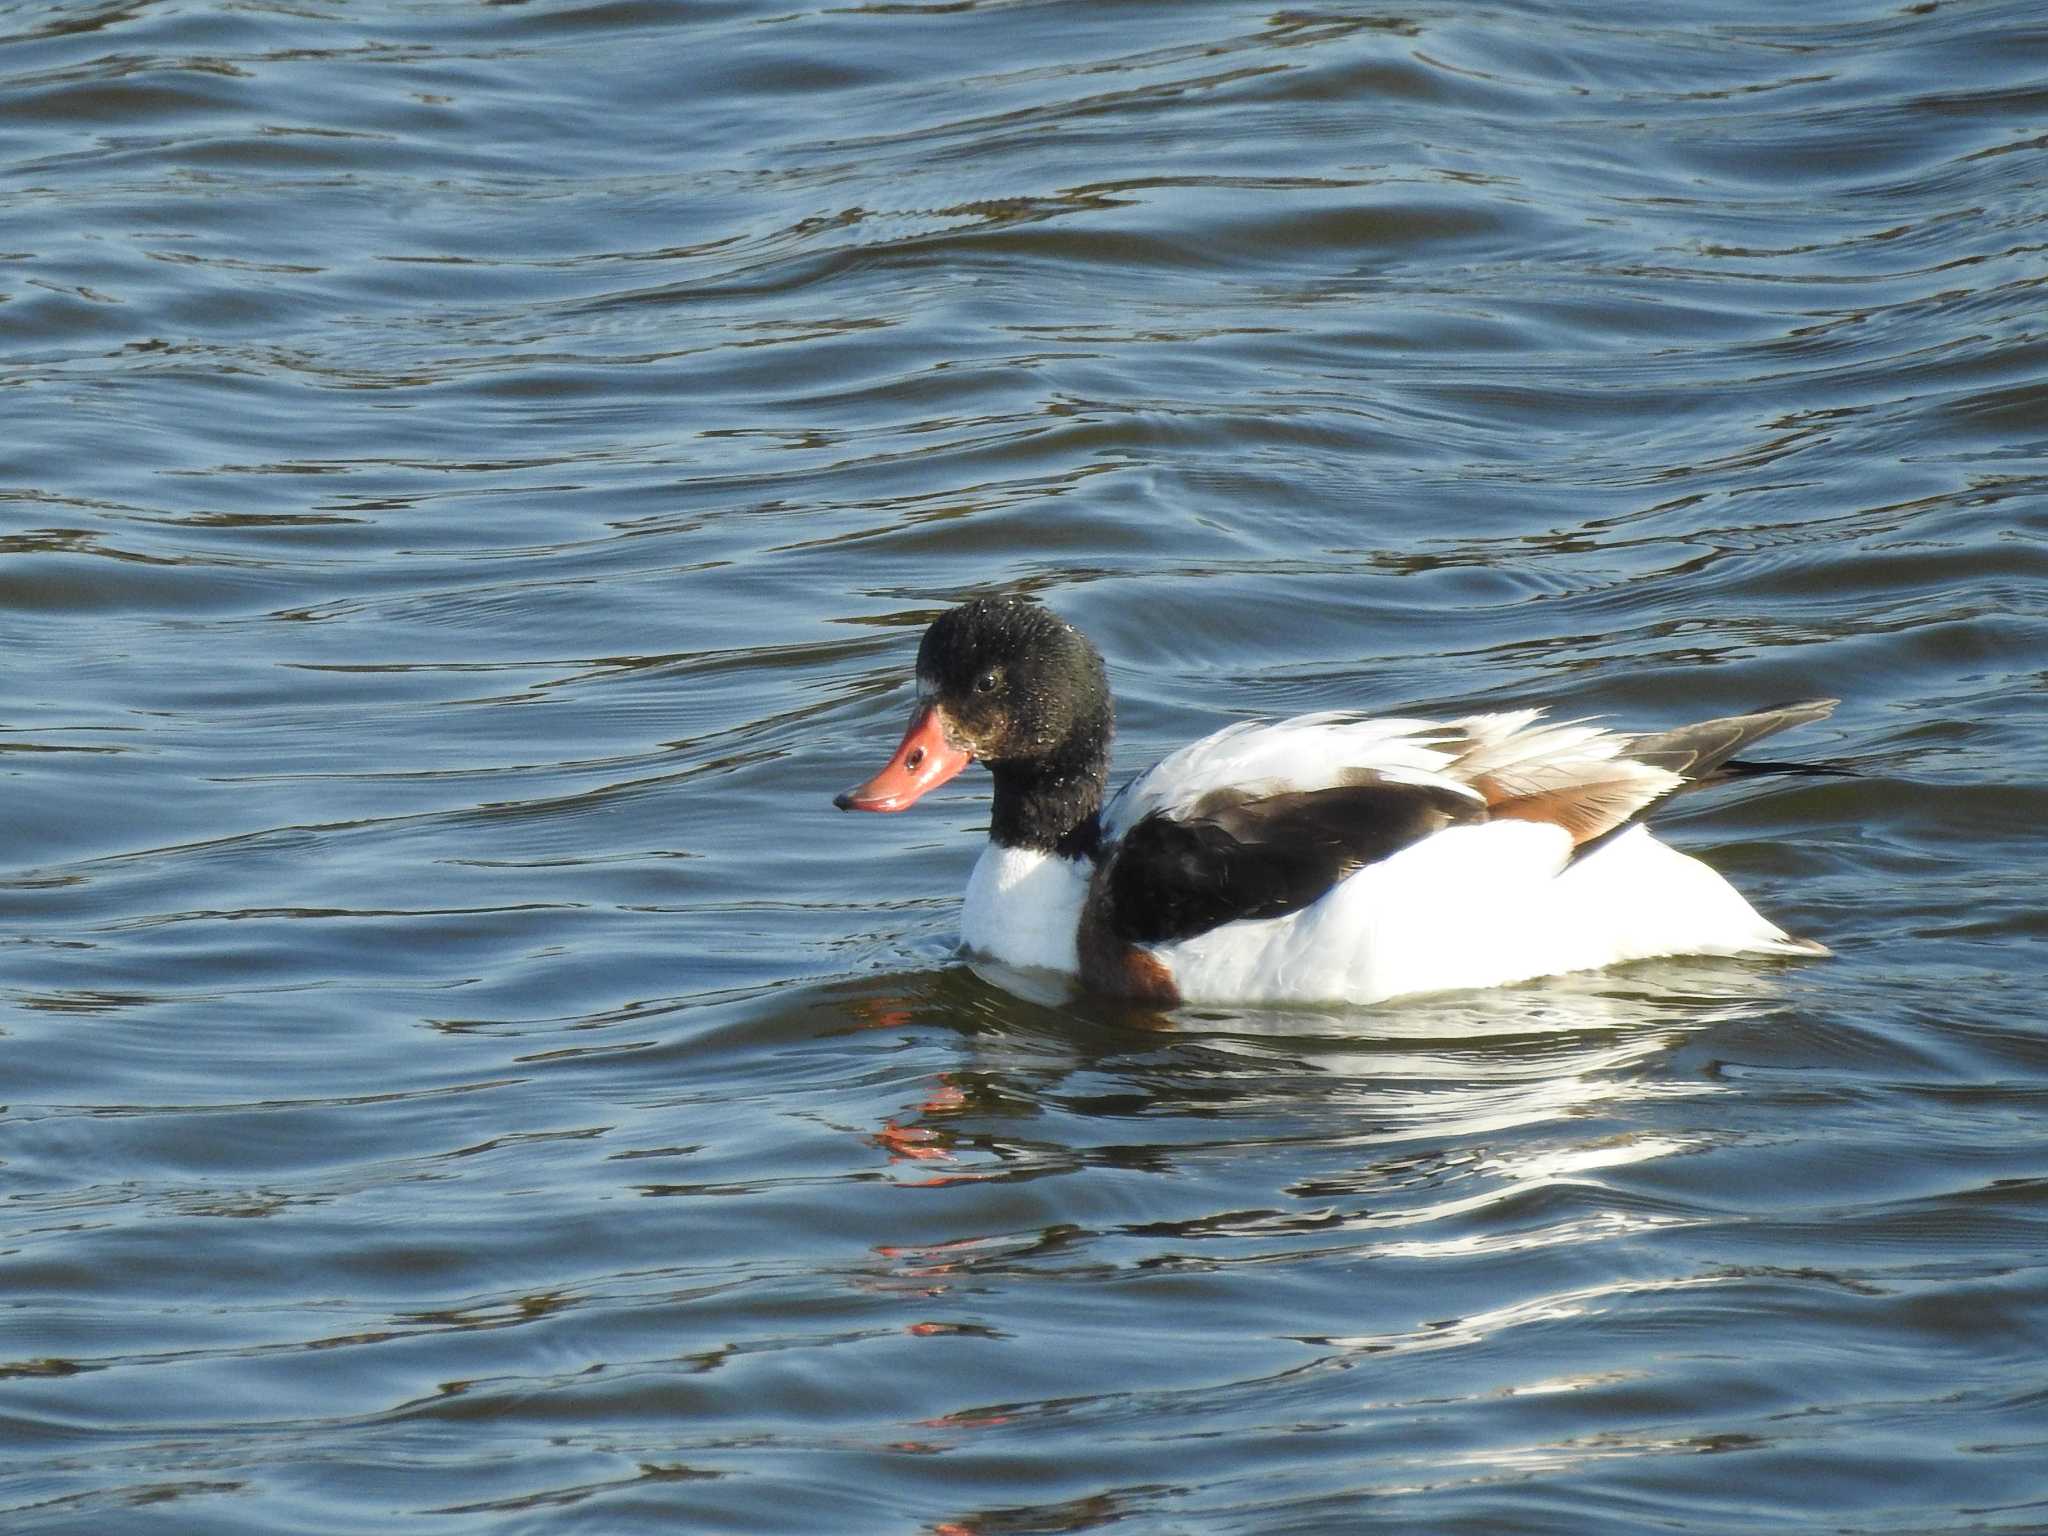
[[1571, 774], [1591, 781], [1586, 809]]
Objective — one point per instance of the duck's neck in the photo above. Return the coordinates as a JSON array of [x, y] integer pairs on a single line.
[[1050, 805]]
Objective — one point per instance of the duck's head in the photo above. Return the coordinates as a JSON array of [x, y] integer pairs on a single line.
[[1003, 680]]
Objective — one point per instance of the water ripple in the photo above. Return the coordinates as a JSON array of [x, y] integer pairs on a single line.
[[477, 481]]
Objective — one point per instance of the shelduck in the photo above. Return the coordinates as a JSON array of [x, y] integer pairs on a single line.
[[1325, 858]]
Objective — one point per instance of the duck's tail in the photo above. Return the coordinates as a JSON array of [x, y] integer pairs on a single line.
[[1705, 753]]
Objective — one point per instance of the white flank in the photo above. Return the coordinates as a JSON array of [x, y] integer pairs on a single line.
[[1478, 906]]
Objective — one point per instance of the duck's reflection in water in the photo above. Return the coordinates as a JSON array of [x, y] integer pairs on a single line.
[[1522, 1084]]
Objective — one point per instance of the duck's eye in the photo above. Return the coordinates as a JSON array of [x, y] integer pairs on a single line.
[[986, 683]]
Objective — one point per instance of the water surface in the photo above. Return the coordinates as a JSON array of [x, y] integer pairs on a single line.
[[472, 478]]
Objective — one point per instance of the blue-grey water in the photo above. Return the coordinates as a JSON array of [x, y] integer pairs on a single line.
[[471, 479]]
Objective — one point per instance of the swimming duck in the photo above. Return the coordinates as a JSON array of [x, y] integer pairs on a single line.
[[1325, 858]]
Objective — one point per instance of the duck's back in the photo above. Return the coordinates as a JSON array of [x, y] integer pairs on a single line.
[[1328, 858]]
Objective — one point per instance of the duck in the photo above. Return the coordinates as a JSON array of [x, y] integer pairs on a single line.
[[1328, 858]]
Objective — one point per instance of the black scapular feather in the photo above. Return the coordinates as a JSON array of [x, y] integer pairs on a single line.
[[1238, 856]]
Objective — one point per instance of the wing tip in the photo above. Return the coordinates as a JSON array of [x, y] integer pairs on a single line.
[[1805, 709], [1813, 949]]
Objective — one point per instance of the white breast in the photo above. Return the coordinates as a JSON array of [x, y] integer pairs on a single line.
[[1024, 908]]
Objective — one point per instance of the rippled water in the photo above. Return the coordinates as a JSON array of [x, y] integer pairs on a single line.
[[472, 476]]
